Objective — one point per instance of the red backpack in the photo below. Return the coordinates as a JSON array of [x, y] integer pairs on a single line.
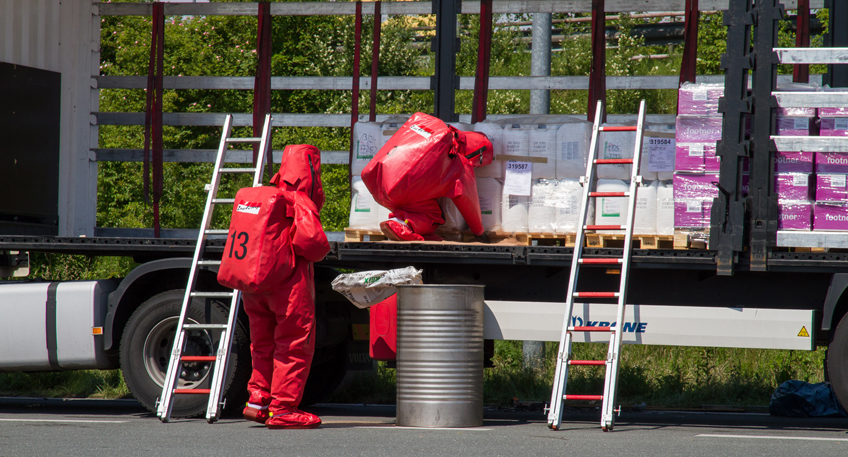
[[258, 255]]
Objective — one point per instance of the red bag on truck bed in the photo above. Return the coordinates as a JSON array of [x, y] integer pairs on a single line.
[[258, 255]]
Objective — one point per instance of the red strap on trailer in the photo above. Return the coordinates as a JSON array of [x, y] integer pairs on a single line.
[[354, 107], [262, 80], [153, 113], [688, 68], [801, 73], [484, 53], [375, 61], [598, 75]]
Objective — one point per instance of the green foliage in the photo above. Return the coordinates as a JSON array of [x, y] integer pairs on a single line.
[[71, 384]]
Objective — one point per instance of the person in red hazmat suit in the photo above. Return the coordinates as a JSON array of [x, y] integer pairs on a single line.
[[425, 160], [282, 321]]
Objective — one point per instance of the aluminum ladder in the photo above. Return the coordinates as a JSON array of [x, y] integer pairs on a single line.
[[564, 354], [221, 358]]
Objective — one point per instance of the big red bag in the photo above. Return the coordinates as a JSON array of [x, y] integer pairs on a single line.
[[258, 255]]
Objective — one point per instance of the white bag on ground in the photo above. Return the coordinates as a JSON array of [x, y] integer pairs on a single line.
[[366, 288]]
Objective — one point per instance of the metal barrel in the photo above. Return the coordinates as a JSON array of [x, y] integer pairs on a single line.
[[440, 356]]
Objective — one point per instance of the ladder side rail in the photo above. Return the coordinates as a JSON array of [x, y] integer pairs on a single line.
[[216, 396], [171, 378], [613, 355], [561, 372]]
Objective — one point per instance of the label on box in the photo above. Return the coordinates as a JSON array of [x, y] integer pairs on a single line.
[[837, 180], [840, 123], [660, 154], [569, 151], [611, 207], [518, 178], [802, 180], [696, 150], [693, 207], [802, 123], [699, 94], [363, 205]]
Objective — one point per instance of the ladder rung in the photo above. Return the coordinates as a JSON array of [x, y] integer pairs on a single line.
[[193, 391], [609, 194], [222, 201], [198, 358], [613, 161], [255, 139], [204, 326], [583, 397], [596, 294], [590, 329], [603, 227], [213, 294], [618, 128], [216, 232], [587, 362], [237, 170], [600, 261], [209, 262]]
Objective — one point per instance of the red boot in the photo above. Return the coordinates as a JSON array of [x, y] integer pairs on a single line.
[[293, 419], [396, 230], [256, 413]]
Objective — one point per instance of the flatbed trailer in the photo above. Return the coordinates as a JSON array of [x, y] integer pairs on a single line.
[[128, 322]]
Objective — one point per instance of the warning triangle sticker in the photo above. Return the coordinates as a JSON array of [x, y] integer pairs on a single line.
[[803, 332]]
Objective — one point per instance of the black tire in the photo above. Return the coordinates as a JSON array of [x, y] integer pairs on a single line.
[[837, 362], [326, 374], [146, 348]]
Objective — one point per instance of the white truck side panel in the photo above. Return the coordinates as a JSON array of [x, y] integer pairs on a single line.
[[63, 36], [655, 325], [23, 336], [79, 309]]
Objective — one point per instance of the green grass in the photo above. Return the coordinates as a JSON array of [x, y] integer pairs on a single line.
[[66, 384]]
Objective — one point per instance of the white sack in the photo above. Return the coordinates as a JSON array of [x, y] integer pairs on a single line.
[[611, 210], [572, 145], [495, 134], [645, 217], [543, 144], [453, 218], [568, 200], [367, 140], [362, 213], [542, 214], [665, 208], [366, 288], [490, 192]]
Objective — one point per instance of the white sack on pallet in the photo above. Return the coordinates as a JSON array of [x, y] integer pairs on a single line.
[[543, 144], [453, 218], [611, 210], [367, 140], [381, 214], [362, 213], [665, 208], [620, 145], [490, 192], [541, 217], [462, 126], [568, 200], [645, 217], [572, 144], [495, 134], [516, 140], [514, 212], [366, 288]]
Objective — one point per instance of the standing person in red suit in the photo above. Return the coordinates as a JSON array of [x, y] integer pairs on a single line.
[[426, 160], [282, 322]]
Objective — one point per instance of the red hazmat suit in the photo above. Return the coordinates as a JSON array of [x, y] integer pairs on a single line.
[[282, 319], [425, 160]]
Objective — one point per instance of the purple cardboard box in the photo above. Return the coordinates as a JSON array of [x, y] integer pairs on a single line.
[[793, 162], [697, 129], [692, 213], [834, 126], [795, 126], [831, 162], [830, 216], [830, 187], [699, 99], [695, 185], [696, 157], [792, 186], [795, 216]]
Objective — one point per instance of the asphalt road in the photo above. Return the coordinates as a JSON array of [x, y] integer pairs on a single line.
[[35, 427]]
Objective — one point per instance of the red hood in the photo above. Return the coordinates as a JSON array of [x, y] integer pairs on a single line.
[[476, 147], [300, 171]]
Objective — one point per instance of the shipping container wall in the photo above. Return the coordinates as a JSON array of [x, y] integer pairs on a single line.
[[63, 36]]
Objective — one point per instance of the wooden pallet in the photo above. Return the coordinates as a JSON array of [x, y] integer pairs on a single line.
[[616, 240], [359, 235], [687, 240]]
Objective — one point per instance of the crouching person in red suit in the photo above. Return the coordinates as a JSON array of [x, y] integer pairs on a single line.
[[282, 320], [426, 160]]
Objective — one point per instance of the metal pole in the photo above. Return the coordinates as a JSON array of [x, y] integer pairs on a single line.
[[445, 82], [540, 103]]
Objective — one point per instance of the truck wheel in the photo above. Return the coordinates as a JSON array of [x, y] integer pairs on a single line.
[[146, 350], [836, 366]]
